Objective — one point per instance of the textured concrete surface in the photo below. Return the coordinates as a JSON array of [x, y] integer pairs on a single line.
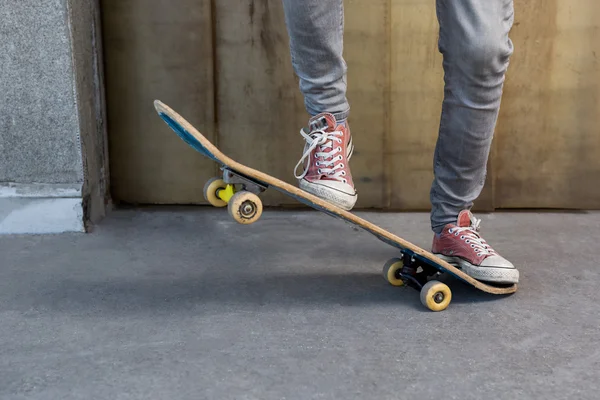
[[186, 304], [52, 131], [39, 128]]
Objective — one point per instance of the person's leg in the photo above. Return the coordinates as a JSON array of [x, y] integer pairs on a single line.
[[316, 29], [474, 41]]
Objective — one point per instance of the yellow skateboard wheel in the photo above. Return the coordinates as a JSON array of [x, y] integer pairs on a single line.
[[245, 207], [211, 192], [391, 270], [436, 295]]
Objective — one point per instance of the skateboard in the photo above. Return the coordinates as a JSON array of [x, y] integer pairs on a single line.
[[238, 190]]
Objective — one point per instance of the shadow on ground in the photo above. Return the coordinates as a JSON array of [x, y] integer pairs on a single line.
[[218, 292]]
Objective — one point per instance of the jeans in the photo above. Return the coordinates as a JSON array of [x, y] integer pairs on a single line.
[[474, 43]]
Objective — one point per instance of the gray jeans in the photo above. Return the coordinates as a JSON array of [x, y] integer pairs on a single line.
[[476, 49]]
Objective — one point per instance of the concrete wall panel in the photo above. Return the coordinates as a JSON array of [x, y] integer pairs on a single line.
[[157, 49], [39, 127], [546, 147]]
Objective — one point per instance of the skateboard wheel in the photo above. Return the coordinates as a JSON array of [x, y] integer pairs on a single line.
[[436, 295], [245, 207], [391, 272], [211, 192]]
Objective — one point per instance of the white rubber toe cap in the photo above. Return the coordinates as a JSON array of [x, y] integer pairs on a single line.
[[497, 262]]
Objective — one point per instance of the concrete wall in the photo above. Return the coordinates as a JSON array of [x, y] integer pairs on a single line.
[[232, 56], [155, 50], [52, 146]]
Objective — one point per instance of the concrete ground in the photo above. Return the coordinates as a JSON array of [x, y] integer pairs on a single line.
[[186, 304]]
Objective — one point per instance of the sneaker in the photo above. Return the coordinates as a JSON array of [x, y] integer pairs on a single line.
[[461, 245], [326, 153]]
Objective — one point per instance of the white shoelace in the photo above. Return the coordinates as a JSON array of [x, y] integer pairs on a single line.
[[471, 236], [330, 165]]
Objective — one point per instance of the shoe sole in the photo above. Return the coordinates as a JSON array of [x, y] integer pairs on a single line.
[[486, 274], [336, 197]]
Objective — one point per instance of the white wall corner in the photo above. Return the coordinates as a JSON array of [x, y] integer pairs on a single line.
[[40, 209]]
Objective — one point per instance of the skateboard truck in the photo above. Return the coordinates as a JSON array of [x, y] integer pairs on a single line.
[[242, 201], [414, 273], [409, 270], [234, 178]]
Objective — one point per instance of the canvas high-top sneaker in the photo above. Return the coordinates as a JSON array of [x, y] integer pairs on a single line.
[[461, 245], [326, 153]]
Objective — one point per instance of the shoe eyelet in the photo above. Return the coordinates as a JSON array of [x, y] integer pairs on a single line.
[[343, 173], [450, 230], [319, 171], [316, 156], [317, 163], [345, 181]]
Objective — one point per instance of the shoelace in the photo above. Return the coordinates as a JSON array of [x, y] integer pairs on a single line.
[[471, 236], [324, 140]]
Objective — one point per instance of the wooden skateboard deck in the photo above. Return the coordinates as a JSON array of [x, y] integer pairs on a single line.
[[398, 271]]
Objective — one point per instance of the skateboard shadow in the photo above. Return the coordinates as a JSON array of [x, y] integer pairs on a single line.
[[220, 293]]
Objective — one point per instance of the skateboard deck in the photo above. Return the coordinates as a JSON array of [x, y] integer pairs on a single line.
[[414, 266]]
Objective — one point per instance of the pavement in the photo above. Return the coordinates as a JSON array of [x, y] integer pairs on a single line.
[[183, 303]]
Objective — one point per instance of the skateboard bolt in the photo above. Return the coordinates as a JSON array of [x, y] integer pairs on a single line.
[[438, 297], [247, 209]]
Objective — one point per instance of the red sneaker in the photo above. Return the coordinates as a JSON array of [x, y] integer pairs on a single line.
[[326, 153], [462, 246]]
